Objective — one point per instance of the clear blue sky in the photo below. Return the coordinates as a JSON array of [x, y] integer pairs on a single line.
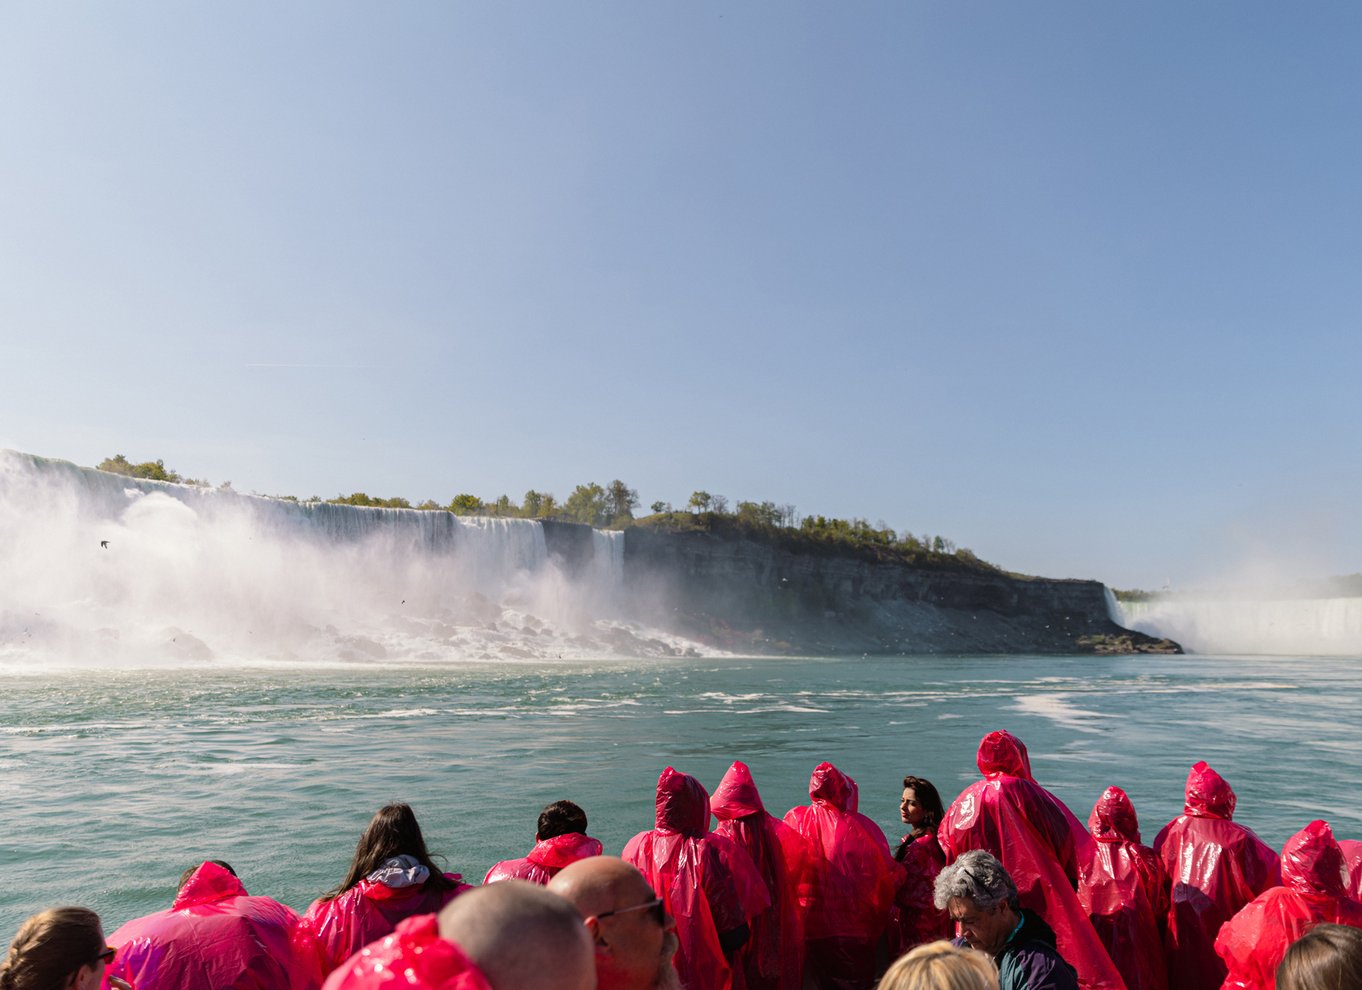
[[1077, 285]]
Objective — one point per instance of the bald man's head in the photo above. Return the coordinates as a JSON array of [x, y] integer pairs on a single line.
[[635, 940], [522, 937]]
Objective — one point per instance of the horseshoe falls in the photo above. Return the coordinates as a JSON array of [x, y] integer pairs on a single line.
[[1245, 625]]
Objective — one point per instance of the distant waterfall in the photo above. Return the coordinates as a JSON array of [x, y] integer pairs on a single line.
[[607, 562], [1287, 627], [100, 569]]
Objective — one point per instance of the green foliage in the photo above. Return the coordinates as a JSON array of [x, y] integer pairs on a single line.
[[622, 500], [769, 523], [360, 498], [588, 504], [759, 513], [465, 505], [151, 470], [614, 505]]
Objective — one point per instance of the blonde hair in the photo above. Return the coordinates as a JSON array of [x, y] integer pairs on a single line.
[[49, 947], [941, 966]]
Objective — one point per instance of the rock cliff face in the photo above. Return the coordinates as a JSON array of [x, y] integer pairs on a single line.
[[749, 596]]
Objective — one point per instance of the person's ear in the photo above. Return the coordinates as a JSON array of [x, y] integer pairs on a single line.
[[593, 928]]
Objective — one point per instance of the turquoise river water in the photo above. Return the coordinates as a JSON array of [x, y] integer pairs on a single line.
[[113, 781]]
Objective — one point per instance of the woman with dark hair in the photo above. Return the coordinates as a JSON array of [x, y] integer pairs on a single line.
[[58, 949], [916, 919], [391, 878]]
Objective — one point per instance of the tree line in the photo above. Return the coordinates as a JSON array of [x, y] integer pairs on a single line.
[[613, 506]]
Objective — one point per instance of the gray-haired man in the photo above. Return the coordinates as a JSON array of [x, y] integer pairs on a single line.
[[979, 895]]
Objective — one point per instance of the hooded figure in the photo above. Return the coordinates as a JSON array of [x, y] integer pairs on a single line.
[[1028, 829], [849, 883], [1352, 859], [1216, 866], [706, 882], [773, 958], [412, 957], [214, 935], [1314, 889], [546, 858], [1125, 892]]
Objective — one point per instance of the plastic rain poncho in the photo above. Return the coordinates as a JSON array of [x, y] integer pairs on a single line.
[[848, 886], [412, 957], [214, 935], [1216, 866], [1124, 889], [773, 958], [706, 882], [546, 858], [915, 917], [1314, 889], [1027, 828], [372, 908], [1352, 858]]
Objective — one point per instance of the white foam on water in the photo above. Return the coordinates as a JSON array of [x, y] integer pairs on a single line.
[[1059, 709], [111, 572]]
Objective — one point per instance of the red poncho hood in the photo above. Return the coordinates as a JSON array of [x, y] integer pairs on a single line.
[[215, 935], [209, 883], [1209, 795], [1312, 862], [563, 850], [682, 804], [1001, 752], [1113, 818], [413, 957], [736, 796], [708, 883], [831, 787]]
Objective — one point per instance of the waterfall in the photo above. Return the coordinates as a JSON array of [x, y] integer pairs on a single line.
[[1285, 627], [607, 562], [101, 569]]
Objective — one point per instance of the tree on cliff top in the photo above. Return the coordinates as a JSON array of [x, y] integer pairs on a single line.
[[152, 471], [465, 505], [623, 501], [588, 504]]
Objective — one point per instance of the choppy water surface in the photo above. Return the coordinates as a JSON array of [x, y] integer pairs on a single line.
[[112, 782]]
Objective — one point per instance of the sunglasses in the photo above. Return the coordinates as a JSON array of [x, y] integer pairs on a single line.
[[659, 914], [107, 956]]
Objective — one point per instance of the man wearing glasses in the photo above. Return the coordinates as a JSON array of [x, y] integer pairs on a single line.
[[635, 938]]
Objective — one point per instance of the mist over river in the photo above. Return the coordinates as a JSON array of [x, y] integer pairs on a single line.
[[112, 781]]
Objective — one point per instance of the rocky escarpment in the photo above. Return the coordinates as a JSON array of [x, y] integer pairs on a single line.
[[749, 595]]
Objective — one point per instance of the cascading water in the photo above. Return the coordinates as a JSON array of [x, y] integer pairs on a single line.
[[1244, 625], [99, 569]]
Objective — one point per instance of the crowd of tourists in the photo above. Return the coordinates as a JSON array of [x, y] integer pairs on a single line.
[[1005, 889]]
